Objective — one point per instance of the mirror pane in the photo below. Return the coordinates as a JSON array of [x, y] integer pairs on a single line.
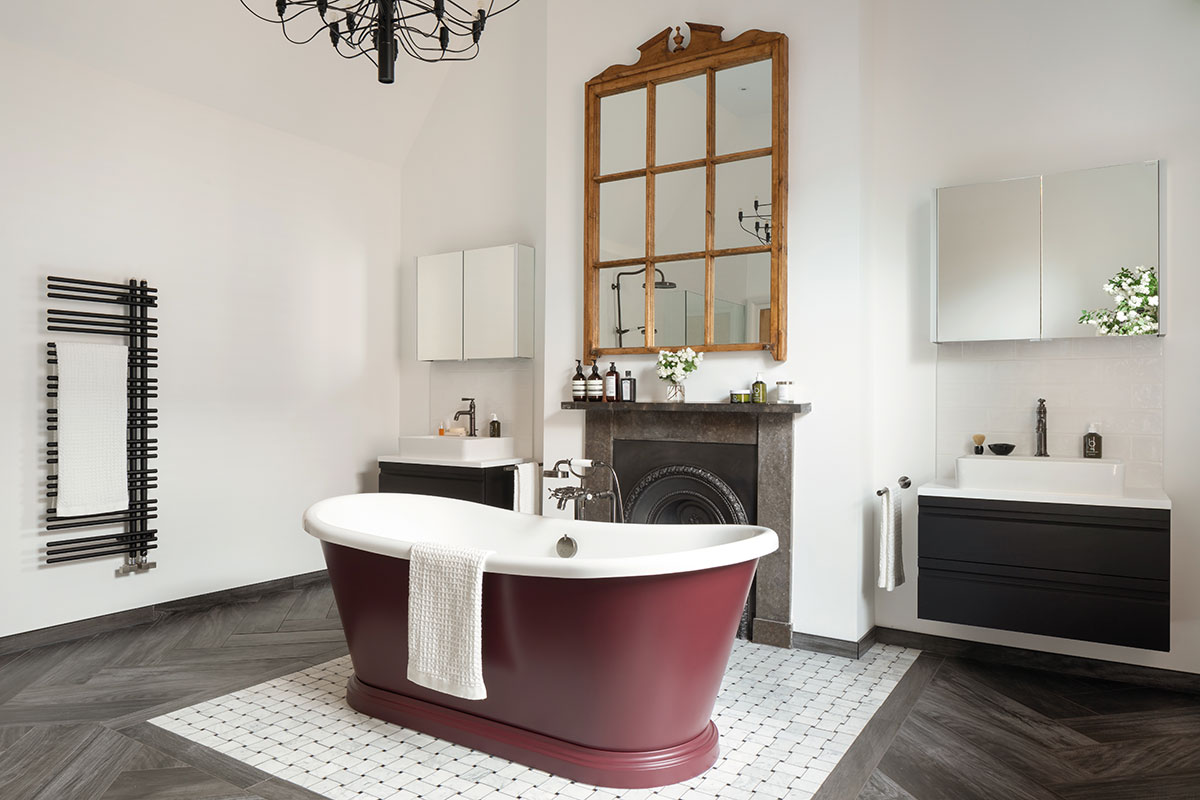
[[743, 113], [742, 306], [622, 317], [679, 211], [1094, 223], [739, 185], [680, 125], [679, 303], [623, 219], [989, 261], [623, 131]]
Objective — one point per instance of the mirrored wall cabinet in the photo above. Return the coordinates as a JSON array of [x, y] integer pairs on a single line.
[[686, 197], [1025, 258], [475, 304]]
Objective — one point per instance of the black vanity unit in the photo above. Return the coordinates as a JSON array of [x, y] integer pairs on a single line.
[[1089, 572], [492, 486]]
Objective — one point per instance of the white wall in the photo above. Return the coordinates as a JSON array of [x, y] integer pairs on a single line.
[[275, 259], [827, 341], [963, 92], [474, 178]]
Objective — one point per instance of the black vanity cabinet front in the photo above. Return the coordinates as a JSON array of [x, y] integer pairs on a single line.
[[492, 486], [1094, 573]]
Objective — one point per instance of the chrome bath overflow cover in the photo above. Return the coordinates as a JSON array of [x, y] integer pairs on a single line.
[[566, 547]]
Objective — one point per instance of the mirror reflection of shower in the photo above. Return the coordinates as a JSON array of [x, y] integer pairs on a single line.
[[762, 222], [661, 283]]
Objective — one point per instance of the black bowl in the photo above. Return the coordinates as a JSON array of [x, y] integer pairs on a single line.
[[1002, 448]]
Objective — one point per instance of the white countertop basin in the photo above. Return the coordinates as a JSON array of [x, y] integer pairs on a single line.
[[1090, 476], [456, 448]]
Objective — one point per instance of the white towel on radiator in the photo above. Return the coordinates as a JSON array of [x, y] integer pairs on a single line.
[[445, 619], [891, 547], [525, 493], [93, 421]]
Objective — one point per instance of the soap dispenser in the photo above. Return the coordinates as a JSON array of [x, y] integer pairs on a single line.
[[1093, 442], [758, 391], [579, 383], [494, 427]]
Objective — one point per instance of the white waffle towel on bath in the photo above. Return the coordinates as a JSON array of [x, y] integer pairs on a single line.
[[445, 619], [93, 421], [891, 547]]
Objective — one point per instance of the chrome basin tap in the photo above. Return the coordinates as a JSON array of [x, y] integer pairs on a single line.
[[1041, 428], [469, 412]]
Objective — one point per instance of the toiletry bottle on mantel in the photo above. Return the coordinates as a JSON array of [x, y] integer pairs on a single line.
[[612, 383], [595, 385], [628, 388], [758, 392], [579, 383]]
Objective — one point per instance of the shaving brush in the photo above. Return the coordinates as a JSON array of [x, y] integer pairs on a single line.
[[978, 439]]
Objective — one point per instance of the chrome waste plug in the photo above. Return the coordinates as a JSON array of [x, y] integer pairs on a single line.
[[566, 547]]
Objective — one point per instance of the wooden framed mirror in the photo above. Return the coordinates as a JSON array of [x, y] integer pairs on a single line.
[[685, 197]]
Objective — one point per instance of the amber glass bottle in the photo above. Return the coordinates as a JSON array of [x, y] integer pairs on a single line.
[[612, 383], [595, 385]]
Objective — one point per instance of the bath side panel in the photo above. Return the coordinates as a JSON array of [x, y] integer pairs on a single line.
[[625, 664]]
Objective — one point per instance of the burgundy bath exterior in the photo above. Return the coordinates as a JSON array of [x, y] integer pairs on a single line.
[[609, 681]]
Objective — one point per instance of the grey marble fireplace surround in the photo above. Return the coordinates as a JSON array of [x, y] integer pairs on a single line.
[[769, 428]]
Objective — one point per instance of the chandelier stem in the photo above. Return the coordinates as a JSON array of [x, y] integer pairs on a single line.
[[386, 47]]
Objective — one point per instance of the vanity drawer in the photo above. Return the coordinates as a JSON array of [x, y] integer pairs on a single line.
[[491, 486], [1103, 540]]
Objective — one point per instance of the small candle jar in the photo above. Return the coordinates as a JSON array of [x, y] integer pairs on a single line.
[[783, 392]]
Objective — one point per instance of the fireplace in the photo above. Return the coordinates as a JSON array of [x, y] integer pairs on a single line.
[[701, 463], [689, 483]]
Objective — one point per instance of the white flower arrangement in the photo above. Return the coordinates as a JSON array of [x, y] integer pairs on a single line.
[[1135, 290], [674, 366]]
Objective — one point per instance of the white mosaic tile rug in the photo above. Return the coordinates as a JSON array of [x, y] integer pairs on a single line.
[[785, 717]]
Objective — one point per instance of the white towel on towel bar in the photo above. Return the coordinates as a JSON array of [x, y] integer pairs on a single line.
[[525, 488], [891, 547], [93, 421], [445, 619]]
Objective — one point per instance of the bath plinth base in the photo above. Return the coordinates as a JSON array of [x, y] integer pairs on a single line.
[[612, 768]]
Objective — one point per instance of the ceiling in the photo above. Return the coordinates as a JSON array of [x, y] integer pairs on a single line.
[[216, 53]]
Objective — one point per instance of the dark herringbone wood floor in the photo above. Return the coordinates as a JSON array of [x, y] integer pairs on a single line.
[[73, 716], [73, 719], [976, 731]]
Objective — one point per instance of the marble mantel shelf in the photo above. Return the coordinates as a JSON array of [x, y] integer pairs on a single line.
[[722, 408]]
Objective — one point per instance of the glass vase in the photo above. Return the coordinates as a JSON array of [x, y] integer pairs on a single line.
[[675, 393]]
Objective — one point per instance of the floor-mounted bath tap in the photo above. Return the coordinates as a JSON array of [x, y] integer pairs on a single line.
[[579, 495], [470, 412], [1041, 429]]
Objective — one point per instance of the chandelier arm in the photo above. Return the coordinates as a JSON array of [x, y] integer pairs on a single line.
[[273, 20], [753, 233], [314, 35], [502, 9]]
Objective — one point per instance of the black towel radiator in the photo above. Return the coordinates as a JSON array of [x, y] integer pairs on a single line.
[[136, 538]]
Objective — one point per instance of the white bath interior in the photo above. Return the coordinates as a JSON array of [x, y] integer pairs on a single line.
[[524, 544]]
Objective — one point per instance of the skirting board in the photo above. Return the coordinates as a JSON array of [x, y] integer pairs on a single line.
[[834, 647], [1035, 659], [138, 616]]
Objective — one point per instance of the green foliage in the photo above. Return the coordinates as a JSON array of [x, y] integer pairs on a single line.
[[1135, 290]]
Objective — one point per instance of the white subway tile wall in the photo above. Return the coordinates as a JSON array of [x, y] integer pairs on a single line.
[[993, 388]]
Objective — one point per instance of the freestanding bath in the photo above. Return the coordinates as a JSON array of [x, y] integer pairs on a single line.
[[602, 668]]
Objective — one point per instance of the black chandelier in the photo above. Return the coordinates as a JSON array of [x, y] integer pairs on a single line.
[[437, 30], [762, 222]]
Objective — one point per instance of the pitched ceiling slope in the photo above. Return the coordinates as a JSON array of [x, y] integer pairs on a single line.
[[217, 54]]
